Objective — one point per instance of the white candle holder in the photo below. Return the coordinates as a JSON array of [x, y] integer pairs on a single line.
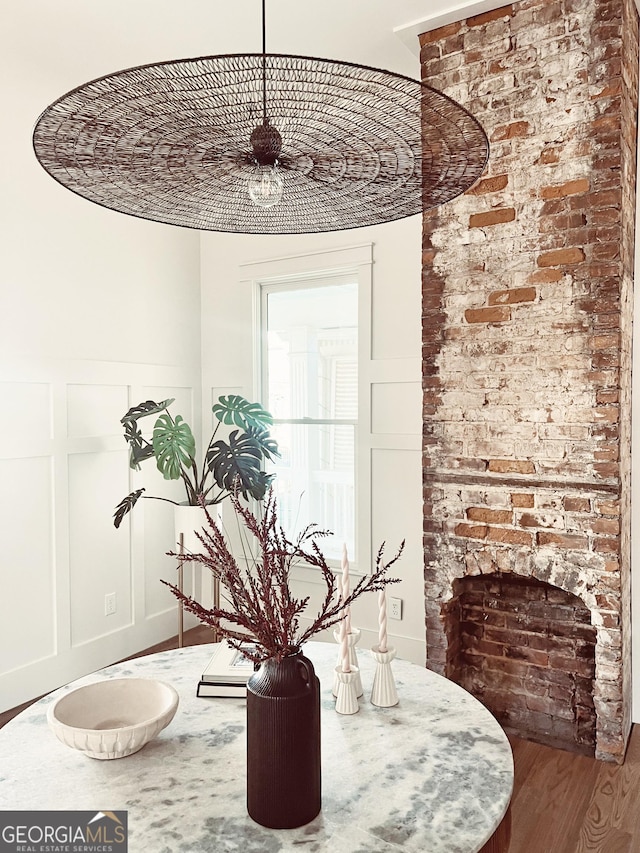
[[352, 638], [383, 691], [347, 699]]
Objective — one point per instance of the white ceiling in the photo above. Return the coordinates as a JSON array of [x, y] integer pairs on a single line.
[[63, 43]]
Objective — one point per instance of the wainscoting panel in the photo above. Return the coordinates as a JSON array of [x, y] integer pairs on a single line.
[[94, 410], [25, 410], [99, 560], [395, 474], [395, 407], [159, 538], [399, 471], [27, 562]]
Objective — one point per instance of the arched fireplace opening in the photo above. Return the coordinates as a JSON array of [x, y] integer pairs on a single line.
[[526, 650]]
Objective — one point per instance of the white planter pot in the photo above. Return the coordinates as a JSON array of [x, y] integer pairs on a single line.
[[189, 520]]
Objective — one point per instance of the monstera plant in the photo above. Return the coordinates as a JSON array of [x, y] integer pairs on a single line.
[[228, 467]]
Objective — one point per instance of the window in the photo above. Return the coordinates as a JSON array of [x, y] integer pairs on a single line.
[[310, 385]]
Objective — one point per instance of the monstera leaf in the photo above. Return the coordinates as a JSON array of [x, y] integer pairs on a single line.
[[237, 464], [235, 410], [268, 446], [261, 485], [173, 445], [139, 448], [147, 408], [126, 506]]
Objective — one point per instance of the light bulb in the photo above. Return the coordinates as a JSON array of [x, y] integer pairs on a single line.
[[266, 185]]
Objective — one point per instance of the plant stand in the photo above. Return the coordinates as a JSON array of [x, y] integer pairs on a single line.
[[180, 587]]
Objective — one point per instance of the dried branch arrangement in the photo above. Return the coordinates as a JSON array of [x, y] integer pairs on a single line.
[[261, 608]]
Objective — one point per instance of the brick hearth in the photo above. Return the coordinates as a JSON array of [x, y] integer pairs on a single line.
[[527, 285]]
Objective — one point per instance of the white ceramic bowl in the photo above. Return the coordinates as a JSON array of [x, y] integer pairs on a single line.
[[113, 718]]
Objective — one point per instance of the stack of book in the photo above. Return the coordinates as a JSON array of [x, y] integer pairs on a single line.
[[226, 674]]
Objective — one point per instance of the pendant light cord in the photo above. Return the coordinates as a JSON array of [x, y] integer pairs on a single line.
[[264, 63]]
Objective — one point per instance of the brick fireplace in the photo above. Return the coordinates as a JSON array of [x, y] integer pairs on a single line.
[[527, 310], [527, 650]]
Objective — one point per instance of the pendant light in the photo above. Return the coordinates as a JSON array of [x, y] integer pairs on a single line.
[[261, 143]]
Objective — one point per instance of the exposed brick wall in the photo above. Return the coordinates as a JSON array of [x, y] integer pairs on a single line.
[[527, 651], [527, 284]]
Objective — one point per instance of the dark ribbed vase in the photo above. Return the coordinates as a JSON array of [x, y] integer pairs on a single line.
[[283, 743]]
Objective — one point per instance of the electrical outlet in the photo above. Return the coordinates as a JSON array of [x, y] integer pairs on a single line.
[[110, 606], [395, 608]]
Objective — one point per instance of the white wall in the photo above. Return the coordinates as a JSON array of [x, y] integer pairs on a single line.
[[98, 311], [228, 314]]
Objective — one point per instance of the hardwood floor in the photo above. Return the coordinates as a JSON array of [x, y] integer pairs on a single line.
[[566, 803], [562, 802]]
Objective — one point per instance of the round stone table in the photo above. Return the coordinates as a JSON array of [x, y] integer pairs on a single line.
[[433, 774]]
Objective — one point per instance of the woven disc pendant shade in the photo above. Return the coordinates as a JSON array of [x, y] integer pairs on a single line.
[[170, 142]]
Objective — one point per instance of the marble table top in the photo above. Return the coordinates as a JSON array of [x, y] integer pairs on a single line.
[[434, 773]]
